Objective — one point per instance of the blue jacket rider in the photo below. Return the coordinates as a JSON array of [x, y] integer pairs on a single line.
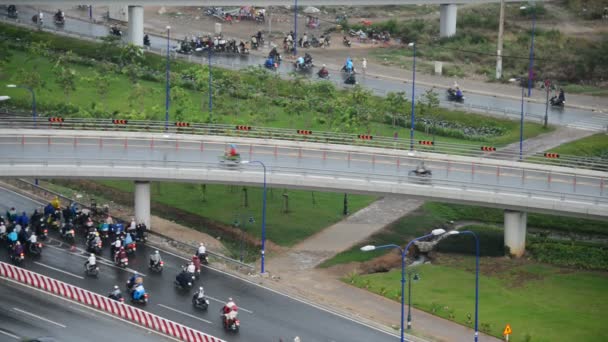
[[139, 292], [128, 239], [349, 64], [300, 60], [270, 62]]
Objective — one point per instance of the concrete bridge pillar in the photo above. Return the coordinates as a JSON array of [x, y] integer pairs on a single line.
[[136, 25], [447, 21], [142, 202], [515, 232]]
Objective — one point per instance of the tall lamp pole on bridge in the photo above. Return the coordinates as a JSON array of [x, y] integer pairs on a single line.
[[531, 65], [456, 232], [521, 127], [368, 248], [413, 44], [34, 115], [210, 89], [263, 210], [167, 82]]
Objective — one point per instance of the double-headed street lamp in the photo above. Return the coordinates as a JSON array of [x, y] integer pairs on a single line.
[[167, 100], [34, 115], [263, 209], [413, 44], [456, 232], [531, 65], [368, 248]]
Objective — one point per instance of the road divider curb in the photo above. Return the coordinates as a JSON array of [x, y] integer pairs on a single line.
[[96, 301]]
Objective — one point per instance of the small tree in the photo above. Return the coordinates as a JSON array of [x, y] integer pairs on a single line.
[[429, 106], [66, 79], [396, 103], [30, 79], [101, 82], [180, 100], [137, 96]]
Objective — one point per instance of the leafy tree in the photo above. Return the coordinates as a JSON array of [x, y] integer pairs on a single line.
[[137, 96], [30, 78], [131, 54], [180, 101], [396, 103], [66, 79], [101, 82], [37, 49], [428, 107]]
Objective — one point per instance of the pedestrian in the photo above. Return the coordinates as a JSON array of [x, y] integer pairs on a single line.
[[364, 65]]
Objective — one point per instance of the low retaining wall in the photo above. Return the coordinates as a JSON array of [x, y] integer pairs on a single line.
[[106, 304]]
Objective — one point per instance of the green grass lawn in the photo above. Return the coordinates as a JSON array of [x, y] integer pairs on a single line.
[[542, 302], [592, 146], [434, 214], [224, 203]]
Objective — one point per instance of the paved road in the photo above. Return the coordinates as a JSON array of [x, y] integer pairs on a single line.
[[156, 154], [265, 316], [576, 118], [28, 313]]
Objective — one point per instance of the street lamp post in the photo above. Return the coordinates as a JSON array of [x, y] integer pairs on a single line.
[[263, 210], [413, 44], [368, 248], [456, 232], [210, 90], [531, 65], [295, 28], [409, 299], [521, 127], [167, 82], [34, 115]]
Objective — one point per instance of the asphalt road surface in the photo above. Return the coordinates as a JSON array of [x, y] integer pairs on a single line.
[[28, 313], [579, 118], [265, 316]]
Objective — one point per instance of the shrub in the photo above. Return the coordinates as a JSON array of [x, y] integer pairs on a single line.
[[570, 255]]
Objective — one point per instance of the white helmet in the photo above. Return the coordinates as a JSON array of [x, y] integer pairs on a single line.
[[202, 244], [200, 288], [156, 252], [230, 299], [115, 287], [92, 254]]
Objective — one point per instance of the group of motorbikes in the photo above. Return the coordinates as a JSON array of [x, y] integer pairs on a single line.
[[217, 44]]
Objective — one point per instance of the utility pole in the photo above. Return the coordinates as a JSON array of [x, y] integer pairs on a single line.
[[501, 23]]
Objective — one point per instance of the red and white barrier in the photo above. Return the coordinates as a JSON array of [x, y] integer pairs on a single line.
[[106, 304]]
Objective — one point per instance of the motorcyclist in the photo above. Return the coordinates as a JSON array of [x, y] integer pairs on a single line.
[[138, 292], [191, 269], [55, 203], [60, 15], [202, 251], [2, 229], [346, 41], [561, 97], [16, 227], [141, 229], [348, 66], [323, 73], [232, 152], [23, 220], [23, 235], [197, 263], [11, 9], [307, 58], [67, 227], [134, 281], [109, 220], [128, 240], [269, 62], [300, 62], [119, 255], [350, 79], [183, 278], [93, 240], [200, 294], [11, 214], [230, 310], [155, 259], [133, 226], [458, 93], [17, 249], [146, 40], [115, 294], [35, 216], [91, 263], [116, 245]]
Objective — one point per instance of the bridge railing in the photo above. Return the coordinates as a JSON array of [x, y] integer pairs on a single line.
[[469, 150], [514, 181]]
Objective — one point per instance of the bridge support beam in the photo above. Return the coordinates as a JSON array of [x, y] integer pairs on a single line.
[[447, 20], [136, 25], [142, 202], [515, 232]]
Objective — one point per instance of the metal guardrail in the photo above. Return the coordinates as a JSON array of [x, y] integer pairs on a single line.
[[354, 140], [524, 188], [68, 200]]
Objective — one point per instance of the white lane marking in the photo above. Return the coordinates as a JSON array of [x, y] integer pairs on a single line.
[[100, 259], [20, 195], [39, 317], [93, 309], [10, 335], [223, 302], [184, 313], [58, 270], [303, 301]]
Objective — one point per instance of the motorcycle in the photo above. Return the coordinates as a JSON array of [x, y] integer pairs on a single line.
[[122, 262], [18, 259], [157, 267], [117, 297], [452, 95], [69, 236], [204, 258], [143, 300], [421, 172], [306, 67], [104, 231], [556, 102], [185, 282], [147, 41], [346, 42], [114, 31], [59, 21], [323, 76], [231, 324], [12, 12], [35, 249], [91, 270], [200, 303], [94, 247], [131, 248]]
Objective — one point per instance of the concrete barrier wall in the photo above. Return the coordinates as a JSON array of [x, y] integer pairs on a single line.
[[99, 302]]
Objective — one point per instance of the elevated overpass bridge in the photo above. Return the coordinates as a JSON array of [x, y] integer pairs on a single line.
[[517, 187], [132, 10]]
